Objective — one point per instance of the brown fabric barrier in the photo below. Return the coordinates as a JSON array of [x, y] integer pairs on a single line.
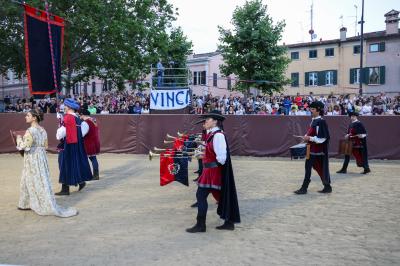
[[247, 135]]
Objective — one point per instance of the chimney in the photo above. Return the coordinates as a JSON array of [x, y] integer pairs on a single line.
[[343, 32], [392, 22]]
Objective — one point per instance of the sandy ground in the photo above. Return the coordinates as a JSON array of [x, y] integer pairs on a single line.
[[126, 218]]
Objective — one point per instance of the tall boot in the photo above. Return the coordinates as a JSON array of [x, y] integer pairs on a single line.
[[327, 189], [366, 171], [199, 227], [95, 174], [226, 226], [342, 171], [64, 191], [345, 164], [303, 189], [81, 186]]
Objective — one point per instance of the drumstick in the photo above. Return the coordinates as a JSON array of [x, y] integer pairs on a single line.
[[302, 137]]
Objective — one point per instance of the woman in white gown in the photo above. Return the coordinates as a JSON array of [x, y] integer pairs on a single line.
[[36, 192]]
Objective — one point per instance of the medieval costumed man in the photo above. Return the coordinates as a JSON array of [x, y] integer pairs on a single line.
[[216, 177], [358, 136], [73, 161], [317, 137], [92, 142]]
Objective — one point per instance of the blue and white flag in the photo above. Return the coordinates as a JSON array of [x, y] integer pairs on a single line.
[[169, 99]]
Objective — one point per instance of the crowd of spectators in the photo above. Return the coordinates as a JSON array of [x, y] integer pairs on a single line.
[[298, 105], [136, 102]]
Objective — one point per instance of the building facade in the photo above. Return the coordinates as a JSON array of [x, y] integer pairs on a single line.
[[206, 76], [322, 67], [333, 66]]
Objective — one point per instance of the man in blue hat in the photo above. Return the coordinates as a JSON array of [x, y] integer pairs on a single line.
[[358, 136], [73, 161]]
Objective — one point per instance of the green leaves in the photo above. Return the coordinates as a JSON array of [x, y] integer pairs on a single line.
[[117, 39], [251, 51]]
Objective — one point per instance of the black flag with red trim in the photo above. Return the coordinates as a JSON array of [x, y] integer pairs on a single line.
[[174, 167], [43, 50]]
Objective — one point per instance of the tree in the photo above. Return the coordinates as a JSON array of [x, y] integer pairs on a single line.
[[116, 40], [251, 50]]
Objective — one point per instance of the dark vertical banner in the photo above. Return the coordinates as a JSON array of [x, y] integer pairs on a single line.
[[39, 62]]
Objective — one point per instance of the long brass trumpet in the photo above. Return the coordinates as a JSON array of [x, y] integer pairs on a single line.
[[196, 141], [171, 137], [181, 155], [181, 134], [159, 149], [184, 134]]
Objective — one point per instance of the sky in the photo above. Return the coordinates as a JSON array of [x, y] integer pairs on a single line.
[[200, 19]]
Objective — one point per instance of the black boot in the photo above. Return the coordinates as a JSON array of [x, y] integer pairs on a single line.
[[64, 191], [366, 171], [81, 186], [342, 171], [95, 175], [327, 189], [195, 180], [303, 189], [194, 205], [226, 226], [200, 226]]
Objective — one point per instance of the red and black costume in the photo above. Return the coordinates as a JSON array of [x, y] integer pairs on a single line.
[[319, 152], [217, 178], [358, 136], [92, 142]]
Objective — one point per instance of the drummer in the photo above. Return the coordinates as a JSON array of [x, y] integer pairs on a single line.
[[358, 136], [317, 137]]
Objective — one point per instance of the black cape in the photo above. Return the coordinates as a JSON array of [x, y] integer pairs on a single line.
[[323, 132], [228, 206]]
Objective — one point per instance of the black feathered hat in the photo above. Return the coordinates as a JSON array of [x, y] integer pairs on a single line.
[[215, 114]]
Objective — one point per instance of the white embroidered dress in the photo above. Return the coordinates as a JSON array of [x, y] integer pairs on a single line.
[[36, 191]]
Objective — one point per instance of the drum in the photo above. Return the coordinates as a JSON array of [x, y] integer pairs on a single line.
[[345, 147], [298, 151]]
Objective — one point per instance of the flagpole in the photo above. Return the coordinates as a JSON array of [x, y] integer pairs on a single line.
[[51, 50]]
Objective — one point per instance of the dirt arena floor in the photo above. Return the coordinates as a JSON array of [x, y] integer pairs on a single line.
[[126, 218]]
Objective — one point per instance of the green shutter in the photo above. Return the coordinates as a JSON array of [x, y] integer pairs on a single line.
[[352, 73], [382, 47], [295, 79], [334, 77], [306, 79], [321, 78], [364, 75], [382, 74]]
